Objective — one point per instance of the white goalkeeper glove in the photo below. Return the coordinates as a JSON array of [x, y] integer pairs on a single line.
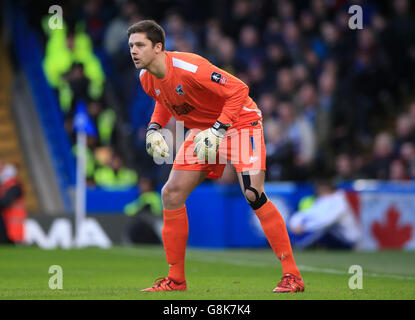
[[156, 146], [207, 142]]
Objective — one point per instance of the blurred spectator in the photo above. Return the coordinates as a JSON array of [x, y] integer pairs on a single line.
[[277, 59], [250, 52], [404, 132], [149, 199], [312, 61], [398, 171], [280, 152], [70, 63], [272, 32], [299, 134], [319, 8], [400, 44], [369, 79], [242, 14], [178, 34], [308, 26], [114, 175], [332, 47], [268, 105], [300, 73], [96, 14], [115, 37], [411, 111], [4, 238], [257, 84], [307, 102], [344, 168], [407, 154], [77, 90], [12, 210], [285, 87], [146, 214], [382, 156], [291, 39], [325, 220], [327, 106], [214, 41], [286, 11], [226, 58], [123, 78], [104, 119]]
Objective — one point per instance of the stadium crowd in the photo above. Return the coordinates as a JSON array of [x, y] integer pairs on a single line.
[[334, 100]]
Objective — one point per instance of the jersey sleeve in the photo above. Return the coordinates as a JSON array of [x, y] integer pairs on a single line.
[[161, 114], [221, 83]]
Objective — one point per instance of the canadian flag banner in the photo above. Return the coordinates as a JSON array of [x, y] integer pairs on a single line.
[[387, 221]]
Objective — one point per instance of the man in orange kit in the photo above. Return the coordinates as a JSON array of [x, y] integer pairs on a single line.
[[225, 125]]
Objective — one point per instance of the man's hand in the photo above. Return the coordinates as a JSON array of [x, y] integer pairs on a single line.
[[156, 146], [207, 142]]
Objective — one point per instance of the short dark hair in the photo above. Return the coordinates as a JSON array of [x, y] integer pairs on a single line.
[[152, 29]]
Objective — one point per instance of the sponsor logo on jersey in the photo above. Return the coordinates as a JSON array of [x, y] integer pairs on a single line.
[[179, 90], [215, 77], [185, 108]]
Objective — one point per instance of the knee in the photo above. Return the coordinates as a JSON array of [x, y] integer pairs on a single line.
[[255, 198], [171, 196], [250, 195]]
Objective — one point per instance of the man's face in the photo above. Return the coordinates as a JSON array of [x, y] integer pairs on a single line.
[[142, 50]]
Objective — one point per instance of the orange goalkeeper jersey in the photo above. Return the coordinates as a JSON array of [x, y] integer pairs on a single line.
[[198, 93]]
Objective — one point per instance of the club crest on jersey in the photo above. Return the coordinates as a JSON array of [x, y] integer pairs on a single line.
[[218, 78], [179, 90], [157, 92]]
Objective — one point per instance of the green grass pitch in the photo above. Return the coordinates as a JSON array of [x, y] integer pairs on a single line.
[[120, 272]]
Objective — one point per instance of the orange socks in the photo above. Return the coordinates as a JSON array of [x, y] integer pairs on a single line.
[[274, 228], [174, 234], [176, 230]]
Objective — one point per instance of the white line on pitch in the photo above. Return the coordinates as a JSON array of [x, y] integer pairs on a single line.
[[211, 257]]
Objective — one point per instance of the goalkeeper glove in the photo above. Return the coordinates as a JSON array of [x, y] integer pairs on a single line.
[[208, 141], [155, 144]]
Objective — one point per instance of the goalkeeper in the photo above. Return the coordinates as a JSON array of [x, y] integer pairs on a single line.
[[225, 126]]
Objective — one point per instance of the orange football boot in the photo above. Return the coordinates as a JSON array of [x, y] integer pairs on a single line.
[[290, 283], [166, 284]]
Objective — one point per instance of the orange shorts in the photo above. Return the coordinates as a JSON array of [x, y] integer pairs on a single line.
[[243, 147]]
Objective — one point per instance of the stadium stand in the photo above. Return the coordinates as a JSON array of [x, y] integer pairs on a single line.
[[328, 94], [45, 102], [10, 146]]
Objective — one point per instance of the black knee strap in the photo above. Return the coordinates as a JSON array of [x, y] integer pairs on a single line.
[[260, 200]]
